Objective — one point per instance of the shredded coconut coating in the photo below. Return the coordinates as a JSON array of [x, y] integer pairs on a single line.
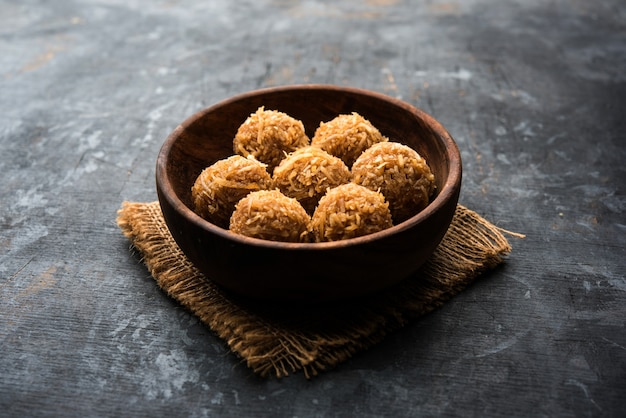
[[347, 136], [307, 173], [269, 135], [349, 211], [220, 186], [400, 174], [270, 215]]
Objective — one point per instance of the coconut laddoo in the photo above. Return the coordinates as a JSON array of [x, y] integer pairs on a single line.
[[400, 174], [307, 173], [270, 215], [268, 135], [347, 136], [220, 186], [349, 211]]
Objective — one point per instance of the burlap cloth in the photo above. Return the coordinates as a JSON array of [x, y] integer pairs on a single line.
[[275, 342]]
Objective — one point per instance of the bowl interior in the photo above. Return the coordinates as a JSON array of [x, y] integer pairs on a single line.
[[208, 136]]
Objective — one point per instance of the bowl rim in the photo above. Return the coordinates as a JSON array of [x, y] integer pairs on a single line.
[[447, 192]]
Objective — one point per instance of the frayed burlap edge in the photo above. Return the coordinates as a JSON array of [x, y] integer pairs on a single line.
[[272, 347]]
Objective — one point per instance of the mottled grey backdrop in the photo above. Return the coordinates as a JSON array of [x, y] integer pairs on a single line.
[[533, 92]]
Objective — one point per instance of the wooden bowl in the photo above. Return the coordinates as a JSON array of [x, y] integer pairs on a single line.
[[305, 272]]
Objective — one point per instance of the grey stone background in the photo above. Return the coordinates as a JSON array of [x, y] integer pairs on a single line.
[[533, 92]]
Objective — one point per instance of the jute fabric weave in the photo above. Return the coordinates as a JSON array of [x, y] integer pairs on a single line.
[[277, 341]]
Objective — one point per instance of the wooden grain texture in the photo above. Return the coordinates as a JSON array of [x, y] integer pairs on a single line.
[[309, 273], [532, 91]]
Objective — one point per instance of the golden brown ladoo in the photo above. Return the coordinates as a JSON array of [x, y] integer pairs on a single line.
[[400, 174], [349, 211], [388, 183], [269, 135], [270, 215], [347, 136], [220, 186], [307, 173]]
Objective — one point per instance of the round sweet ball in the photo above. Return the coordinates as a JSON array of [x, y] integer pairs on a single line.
[[400, 174], [307, 173], [347, 136], [268, 135], [220, 186], [349, 211], [270, 215]]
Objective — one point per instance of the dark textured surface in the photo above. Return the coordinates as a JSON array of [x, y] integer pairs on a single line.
[[532, 91]]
